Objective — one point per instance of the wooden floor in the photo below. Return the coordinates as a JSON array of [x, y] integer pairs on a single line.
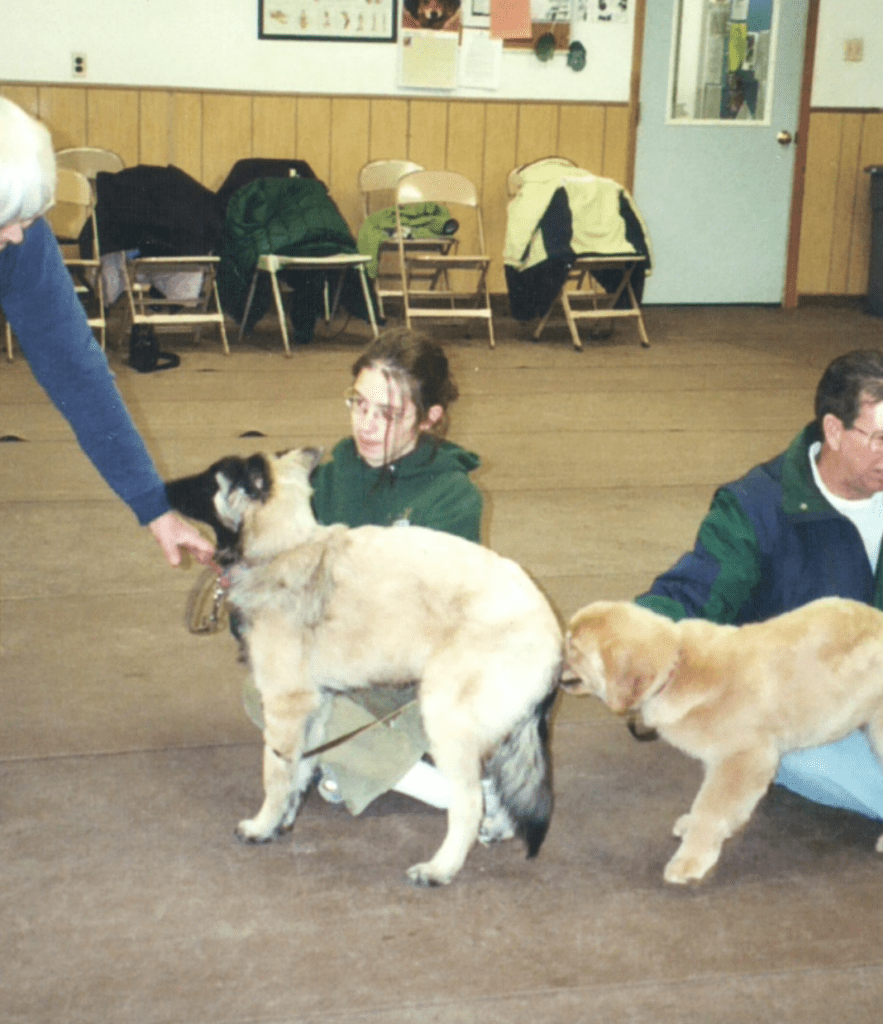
[[126, 759]]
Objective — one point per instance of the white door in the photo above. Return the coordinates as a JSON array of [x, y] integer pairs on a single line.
[[713, 166]]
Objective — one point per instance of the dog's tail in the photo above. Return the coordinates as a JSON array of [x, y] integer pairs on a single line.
[[521, 772]]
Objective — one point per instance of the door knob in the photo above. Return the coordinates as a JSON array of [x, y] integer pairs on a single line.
[[784, 138]]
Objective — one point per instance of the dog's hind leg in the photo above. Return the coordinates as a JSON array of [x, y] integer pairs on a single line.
[[497, 823], [456, 748], [460, 763], [725, 801], [286, 775]]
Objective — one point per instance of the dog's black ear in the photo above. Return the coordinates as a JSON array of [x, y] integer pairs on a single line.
[[194, 497], [256, 480]]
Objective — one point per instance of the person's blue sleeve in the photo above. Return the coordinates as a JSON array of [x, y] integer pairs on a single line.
[[49, 322], [716, 579]]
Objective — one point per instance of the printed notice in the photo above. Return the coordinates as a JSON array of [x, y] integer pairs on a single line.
[[429, 60], [480, 60]]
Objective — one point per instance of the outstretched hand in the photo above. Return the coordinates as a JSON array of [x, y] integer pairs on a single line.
[[174, 535]]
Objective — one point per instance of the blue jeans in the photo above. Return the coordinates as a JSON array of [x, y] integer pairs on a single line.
[[844, 774]]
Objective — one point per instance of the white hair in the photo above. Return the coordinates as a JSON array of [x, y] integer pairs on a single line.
[[27, 165]]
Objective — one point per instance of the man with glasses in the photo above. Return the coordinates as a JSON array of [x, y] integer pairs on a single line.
[[807, 524]]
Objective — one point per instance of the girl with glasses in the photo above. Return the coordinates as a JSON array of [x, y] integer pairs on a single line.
[[396, 469]]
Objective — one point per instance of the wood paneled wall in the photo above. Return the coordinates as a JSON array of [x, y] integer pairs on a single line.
[[204, 133], [835, 232]]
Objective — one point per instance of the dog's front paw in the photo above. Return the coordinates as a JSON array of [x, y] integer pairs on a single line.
[[248, 831], [424, 876], [685, 868], [681, 826]]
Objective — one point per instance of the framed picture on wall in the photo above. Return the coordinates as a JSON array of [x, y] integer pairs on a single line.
[[364, 21]]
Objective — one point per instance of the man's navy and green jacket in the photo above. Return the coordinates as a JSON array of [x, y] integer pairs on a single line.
[[769, 543]]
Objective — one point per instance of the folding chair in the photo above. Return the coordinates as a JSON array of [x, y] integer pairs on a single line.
[[190, 309], [379, 178], [75, 208], [598, 248], [377, 184], [89, 160], [440, 301], [583, 286], [337, 264]]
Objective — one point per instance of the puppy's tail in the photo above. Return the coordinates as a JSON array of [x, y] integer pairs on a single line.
[[521, 772]]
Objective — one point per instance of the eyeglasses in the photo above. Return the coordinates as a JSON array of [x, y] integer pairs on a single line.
[[359, 406], [874, 441]]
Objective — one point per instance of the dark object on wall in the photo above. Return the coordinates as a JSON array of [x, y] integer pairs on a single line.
[[545, 47], [576, 56], [875, 263], [144, 353]]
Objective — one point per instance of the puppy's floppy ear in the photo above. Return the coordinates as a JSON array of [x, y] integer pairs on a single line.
[[631, 672], [619, 649], [642, 649]]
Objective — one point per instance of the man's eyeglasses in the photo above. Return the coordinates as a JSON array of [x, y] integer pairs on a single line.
[[874, 441], [359, 406]]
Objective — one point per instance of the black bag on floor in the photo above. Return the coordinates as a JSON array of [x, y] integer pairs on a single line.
[[144, 353]]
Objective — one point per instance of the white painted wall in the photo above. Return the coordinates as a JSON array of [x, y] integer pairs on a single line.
[[840, 83], [213, 44]]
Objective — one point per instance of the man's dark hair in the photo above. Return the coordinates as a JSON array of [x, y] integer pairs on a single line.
[[849, 381]]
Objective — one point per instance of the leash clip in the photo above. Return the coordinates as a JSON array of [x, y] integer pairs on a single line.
[[207, 610]]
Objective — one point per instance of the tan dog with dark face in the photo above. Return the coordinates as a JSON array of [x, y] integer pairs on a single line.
[[736, 699], [323, 609]]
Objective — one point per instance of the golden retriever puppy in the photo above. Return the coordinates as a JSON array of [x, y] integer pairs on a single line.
[[324, 609], [736, 699]]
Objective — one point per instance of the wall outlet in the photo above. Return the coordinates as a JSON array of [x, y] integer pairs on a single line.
[[78, 65], [854, 50]]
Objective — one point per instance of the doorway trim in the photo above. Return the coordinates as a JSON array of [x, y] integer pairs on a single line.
[[790, 297], [798, 185]]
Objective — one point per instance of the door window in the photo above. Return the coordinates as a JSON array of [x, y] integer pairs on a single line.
[[723, 55]]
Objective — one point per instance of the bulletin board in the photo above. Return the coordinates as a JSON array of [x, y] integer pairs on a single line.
[[206, 45]]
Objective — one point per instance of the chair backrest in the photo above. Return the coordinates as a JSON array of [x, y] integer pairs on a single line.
[[444, 188], [74, 206], [89, 160], [382, 176], [436, 187], [513, 181]]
